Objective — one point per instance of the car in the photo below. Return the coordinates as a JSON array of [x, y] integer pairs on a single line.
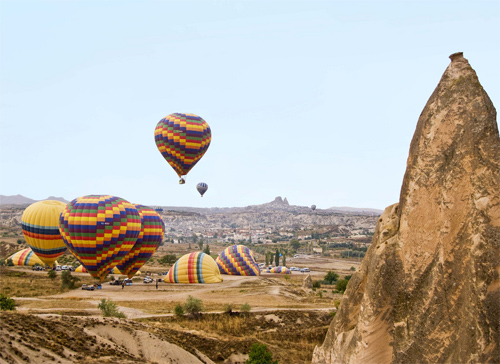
[[305, 270], [87, 288], [58, 267], [127, 281], [64, 267], [148, 280], [116, 282]]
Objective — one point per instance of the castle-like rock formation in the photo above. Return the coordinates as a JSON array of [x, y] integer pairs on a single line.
[[428, 290]]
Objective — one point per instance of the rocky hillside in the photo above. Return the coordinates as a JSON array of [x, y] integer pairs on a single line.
[[428, 289]]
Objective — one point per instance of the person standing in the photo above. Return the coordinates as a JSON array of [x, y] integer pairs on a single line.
[[123, 284], [157, 284]]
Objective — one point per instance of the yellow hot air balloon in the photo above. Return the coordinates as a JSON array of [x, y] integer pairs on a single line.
[[25, 257], [194, 268], [81, 269], [40, 224]]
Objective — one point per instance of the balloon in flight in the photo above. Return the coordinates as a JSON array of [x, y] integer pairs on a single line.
[[99, 230], [202, 187], [40, 224], [313, 207], [182, 140]]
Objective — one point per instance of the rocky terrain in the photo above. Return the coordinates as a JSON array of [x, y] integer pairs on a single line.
[[428, 289]]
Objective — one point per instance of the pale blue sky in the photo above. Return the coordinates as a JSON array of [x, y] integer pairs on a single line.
[[315, 101]]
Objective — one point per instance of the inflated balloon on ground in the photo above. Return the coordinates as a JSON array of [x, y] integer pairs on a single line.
[[237, 260], [40, 224], [99, 230], [194, 268], [150, 238]]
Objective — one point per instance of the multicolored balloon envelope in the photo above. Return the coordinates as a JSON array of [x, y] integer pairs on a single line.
[[182, 139], [237, 260], [40, 224], [99, 231], [194, 268], [25, 257], [150, 238], [280, 269]]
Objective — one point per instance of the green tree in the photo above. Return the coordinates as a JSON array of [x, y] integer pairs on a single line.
[[110, 309], [51, 274], [260, 354], [267, 259], [167, 259], [67, 280], [193, 306], [207, 250], [10, 263], [277, 258], [7, 303], [178, 310], [341, 285], [295, 244], [331, 277]]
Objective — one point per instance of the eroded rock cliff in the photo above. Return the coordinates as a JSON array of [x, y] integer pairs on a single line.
[[428, 290]]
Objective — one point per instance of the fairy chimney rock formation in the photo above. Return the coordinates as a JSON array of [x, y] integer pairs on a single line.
[[428, 289]]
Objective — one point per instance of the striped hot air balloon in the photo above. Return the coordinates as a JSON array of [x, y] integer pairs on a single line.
[[99, 231], [40, 224], [280, 269], [80, 269], [25, 257], [237, 260], [150, 238], [182, 139], [194, 268]]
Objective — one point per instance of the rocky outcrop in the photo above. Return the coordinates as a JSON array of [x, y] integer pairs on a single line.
[[428, 290], [307, 283]]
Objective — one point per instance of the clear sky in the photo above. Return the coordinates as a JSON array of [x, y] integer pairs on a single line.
[[316, 101]]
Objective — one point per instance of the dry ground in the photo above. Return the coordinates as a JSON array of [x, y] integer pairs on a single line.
[[54, 326]]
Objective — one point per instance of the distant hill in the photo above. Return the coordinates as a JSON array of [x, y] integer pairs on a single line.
[[21, 200], [356, 209]]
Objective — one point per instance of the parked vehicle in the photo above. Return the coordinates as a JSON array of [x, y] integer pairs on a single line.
[[116, 282], [305, 270], [37, 267], [87, 288], [127, 281], [148, 280], [58, 267]]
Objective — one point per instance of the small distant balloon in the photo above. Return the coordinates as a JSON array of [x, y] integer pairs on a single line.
[[182, 140], [202, 187], [313, 207]]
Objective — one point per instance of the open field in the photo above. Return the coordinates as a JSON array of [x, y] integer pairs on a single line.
[[284, 316]]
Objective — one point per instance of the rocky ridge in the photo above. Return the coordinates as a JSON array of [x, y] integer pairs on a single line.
[[428, 289]]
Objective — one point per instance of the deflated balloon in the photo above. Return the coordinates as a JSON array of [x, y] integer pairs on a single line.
[[182, 139], [280, 269], [202, 187], [237, 260], [150, 238], [194, 268], [40, 224], [99, 231]]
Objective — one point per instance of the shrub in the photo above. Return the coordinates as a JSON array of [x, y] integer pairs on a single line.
[[316, 284], [245, 308], [167, 259], [341, 285], [109, 309], [178, 310], [10, 263], [260, 354], [67, 280], [228, 308], [193, 306], [331, 277], [7, 303], [352, 268], [51, 274]]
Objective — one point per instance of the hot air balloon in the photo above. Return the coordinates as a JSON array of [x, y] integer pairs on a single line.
[[280, 269], [150, 238], [182, 139], [194, 268], [99, 231], [202, 187], [237, 260], [80, 269], [40, 224], [25, 257], [313, 207]]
